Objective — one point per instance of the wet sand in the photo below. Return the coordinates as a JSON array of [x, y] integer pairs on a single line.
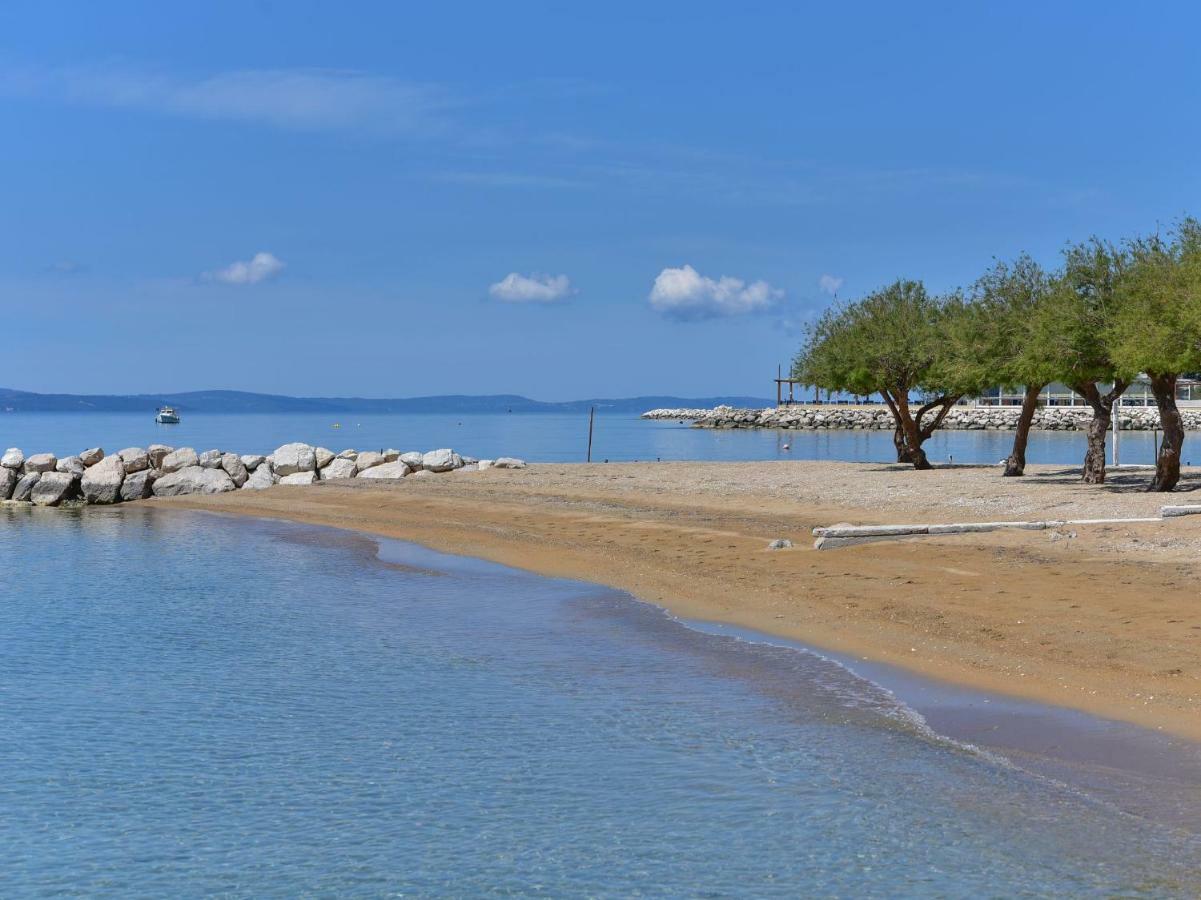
[[1104, 619]]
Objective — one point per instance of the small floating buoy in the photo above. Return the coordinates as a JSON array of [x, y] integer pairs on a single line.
[[337, 425], [786, 447]]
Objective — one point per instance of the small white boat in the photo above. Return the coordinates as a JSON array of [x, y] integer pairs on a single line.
[[167, 416]]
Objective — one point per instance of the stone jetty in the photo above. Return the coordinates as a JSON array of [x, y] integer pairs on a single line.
[[137, 473], [878, 418]]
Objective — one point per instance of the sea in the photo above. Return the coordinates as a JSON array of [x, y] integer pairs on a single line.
[[194, 705], [536, 437]]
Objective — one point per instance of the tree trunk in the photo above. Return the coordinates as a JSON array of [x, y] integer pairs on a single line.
[[1167, 463], [913, 437], [1102, 405], [1016, 464], [898, 430]]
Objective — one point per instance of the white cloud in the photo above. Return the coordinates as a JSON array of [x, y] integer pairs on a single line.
[[686, 294], [830, 284], [304, 99], [533, 288], [258, 268]]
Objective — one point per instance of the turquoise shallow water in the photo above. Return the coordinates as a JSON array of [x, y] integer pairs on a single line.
[[538, 437], [195, 705]]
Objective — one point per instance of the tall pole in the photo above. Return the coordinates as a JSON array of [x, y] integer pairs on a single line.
[[1117, 427], [591, 417]]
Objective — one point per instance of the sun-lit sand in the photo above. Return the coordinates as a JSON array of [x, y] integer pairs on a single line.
[[1101, 618]]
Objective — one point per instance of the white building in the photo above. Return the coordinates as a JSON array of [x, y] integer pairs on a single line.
[[1188, 394]]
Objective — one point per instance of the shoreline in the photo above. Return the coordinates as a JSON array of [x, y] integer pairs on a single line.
[[701, 554], [1138, 771]]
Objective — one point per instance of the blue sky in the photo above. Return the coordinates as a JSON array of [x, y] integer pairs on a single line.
[[558, 200]]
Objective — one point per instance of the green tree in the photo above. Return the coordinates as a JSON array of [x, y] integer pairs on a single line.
[[897, 342], [1007, 301], [1074, 328], [1155, 329]]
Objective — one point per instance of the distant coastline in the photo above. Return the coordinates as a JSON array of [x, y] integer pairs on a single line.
[[248, 402]]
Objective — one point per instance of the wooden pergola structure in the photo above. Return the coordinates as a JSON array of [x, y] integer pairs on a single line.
[[792, 383]]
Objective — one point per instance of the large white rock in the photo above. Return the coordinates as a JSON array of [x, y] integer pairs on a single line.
[[391, 455], [386, 471], [156, 452], [293, 458], [135, 459], [252, 461], [348, 454], [41, 462], [138, 485], [259, 479], [322, 456], [24, 486], [176, 460], [367, 459], [339, 468], [412, 459], [423, 474], [193, 480], [440, 460], [8, 481], [232, 464], [508, 462], [102, 482], [53, 488], [92, 455], [484, 464], [13, 458], [303, 478], [210, 459], [72, 465]]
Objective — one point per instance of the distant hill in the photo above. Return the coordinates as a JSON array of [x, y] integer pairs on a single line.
[[245, 402]]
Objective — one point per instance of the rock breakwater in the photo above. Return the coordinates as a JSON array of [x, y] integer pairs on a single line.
[[878, 418], [136, 473]]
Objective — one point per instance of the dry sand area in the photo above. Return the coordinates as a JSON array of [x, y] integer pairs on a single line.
[[1104, 618]]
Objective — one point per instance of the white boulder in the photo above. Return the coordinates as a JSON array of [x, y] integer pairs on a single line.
[[13, 458], [138, 485], [177, 460], [252, 461], [441, 460], [102, 482], [302, 478], [508, 462], [392, 470], [210, 459], [135, 459], [322, 456], [157, 452], [391, 455], [259, 479], [24, 487], [232, 464], [367, 459], [8, 481], [193, 480], [339, 468], [92, 455], [293, 458], [484, 464], [412, 459], [41, 462], [72, 465], [53, 488], [348, 454]]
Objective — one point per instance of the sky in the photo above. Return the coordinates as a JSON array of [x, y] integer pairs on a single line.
[[561, 200]]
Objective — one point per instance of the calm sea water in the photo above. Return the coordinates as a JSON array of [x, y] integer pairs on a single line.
[[538, 437], [195, 705]]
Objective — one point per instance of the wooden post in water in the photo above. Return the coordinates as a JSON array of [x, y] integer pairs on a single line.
[[591, 417]]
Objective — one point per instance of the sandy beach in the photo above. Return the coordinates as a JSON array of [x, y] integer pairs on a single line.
[[1100, 618]]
